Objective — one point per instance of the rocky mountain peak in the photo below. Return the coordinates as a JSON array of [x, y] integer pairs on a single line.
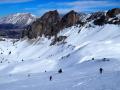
[[109, 17], [69, 19], [113, 12], [51, 22], [50, 16], [95, 15], [44, 25]]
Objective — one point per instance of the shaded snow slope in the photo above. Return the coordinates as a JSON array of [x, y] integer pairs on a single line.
[[80, 72]]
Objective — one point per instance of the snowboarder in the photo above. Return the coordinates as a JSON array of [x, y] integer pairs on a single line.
[[60, 71], [101, 70], [50, 78]]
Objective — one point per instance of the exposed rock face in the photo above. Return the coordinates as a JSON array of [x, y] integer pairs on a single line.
[[69, 19], [26, 32], [101, 20], [49, 21], [44, 25], [50, 24], [98, 17], [109, 18], [113, 12], [95, 15], [59, 39]]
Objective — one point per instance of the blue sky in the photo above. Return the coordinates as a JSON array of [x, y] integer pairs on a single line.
[[38, 7]]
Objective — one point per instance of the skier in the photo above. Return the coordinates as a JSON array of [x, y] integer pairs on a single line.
[[9, 52], [50, 78], [60, 71], [101, 70]]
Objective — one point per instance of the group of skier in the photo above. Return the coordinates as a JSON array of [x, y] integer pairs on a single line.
[[59, 71]]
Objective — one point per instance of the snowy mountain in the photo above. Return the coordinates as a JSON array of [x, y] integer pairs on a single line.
[[50, 24], [18, 19], [80, 49], [11, 26]]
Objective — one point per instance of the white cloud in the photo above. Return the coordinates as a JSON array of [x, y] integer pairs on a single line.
[[80, 6], [14, 1], [92, 3], [84, 5]]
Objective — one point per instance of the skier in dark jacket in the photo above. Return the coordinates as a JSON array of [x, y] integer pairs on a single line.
[[9, 52], [93, 59], [50, 78], [60, 71], [101, 70]]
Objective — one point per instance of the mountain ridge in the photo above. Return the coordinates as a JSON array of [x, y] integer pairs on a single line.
[[40, 27], [18, 19]]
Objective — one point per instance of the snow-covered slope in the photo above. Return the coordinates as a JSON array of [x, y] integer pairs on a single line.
[[19, 19], [24, 62]]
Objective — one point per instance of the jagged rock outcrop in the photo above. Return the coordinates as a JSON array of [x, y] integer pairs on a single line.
[[95, 15], [69, 19], [113, 12], [59, 39], [50, 24], [110, 17], [44, 25], [101, 20]]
